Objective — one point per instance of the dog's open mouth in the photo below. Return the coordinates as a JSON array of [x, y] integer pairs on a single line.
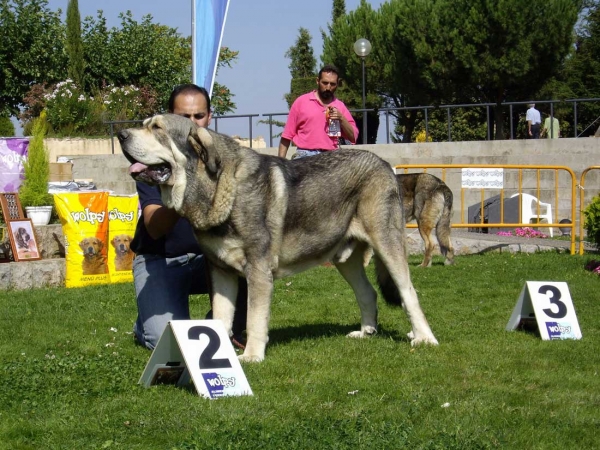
[[154, 174]]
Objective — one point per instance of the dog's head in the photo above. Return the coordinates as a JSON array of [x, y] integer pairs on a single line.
[[164, 146], [91, 246], [22, 237], [122, 243], [187, 162]]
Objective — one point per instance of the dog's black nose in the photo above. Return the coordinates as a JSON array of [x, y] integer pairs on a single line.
[[123, 135]]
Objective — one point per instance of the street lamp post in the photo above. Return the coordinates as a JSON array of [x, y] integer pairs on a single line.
[[362, 48]]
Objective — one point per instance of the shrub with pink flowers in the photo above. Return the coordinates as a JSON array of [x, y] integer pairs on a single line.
[[525, 232], [593, 266], [73, 112]]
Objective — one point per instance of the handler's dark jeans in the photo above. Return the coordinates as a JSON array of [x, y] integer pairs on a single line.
[[535, 131], [163, 287]]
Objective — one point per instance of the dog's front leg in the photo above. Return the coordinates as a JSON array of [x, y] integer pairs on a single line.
[[260, 291], [224, 288]]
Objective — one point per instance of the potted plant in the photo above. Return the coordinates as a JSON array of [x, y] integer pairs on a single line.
[[33, 193]]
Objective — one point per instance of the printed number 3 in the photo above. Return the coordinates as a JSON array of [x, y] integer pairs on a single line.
[[214, 342], [554, 297]]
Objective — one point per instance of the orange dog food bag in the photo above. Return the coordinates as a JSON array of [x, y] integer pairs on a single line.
[[122, 220], [84, 220]]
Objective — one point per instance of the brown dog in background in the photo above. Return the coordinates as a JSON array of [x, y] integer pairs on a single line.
[[428, 200], [123, 253], [94, 261]]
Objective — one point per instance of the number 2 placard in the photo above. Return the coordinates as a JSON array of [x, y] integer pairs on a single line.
[[202, 351], [551, 305]]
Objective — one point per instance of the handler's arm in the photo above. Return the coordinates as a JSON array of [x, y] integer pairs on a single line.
[[347, 130], [284, 144], [159, 220]]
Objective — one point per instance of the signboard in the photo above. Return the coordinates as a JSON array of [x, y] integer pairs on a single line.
[[476, 178], [198, 351], [549, 304], [13, 153]]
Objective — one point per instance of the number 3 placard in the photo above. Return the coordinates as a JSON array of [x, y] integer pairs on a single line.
[[549, 302], [202, 351]]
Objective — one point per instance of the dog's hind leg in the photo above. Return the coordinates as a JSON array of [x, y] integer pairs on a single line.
[[353, 271], [442, 232], [425, 230]]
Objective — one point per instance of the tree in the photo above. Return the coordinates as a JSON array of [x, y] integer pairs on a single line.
[[435, 51], [302, 66], [145, 54], [337, 50], [74, 44], [7, 129], [338, 10], [525, 48], [31, 49], [581, 74], [140, 54], [221, 98]]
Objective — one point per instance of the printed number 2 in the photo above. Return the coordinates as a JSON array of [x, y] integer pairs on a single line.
[[554, 297], [214, 342]]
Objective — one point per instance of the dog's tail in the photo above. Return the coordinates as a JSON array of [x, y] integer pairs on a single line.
[[442, 229], [388, 288]]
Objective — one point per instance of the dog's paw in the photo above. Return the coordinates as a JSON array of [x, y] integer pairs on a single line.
[[410, 335], [428, 340], [250, 358], [363, 333]]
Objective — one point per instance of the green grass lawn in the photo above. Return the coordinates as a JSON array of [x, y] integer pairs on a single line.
[[70, 369]]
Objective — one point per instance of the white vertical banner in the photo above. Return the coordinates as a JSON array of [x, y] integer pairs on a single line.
[[208, 23]]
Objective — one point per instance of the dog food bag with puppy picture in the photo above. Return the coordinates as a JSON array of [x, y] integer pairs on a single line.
[[122, 220], [84, 219]]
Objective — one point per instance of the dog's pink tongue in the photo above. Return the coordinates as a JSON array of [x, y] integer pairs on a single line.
[[137, 168]]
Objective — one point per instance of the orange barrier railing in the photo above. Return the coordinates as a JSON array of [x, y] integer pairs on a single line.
[[581, 205], [518, 187]]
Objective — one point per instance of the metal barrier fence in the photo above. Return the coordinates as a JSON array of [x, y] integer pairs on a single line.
[[387, 112], [582, 203], [557, 181]]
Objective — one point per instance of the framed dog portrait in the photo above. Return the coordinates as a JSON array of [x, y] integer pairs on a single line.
[[22, 240]]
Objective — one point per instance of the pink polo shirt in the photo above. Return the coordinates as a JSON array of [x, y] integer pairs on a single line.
[[307, 124]]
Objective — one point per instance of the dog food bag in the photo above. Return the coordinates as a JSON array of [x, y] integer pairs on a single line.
[[84, 219], [122, 219]]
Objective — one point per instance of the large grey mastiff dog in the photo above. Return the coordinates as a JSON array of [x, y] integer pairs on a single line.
[[264, 217]]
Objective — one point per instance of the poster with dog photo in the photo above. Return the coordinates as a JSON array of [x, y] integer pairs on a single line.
[[84, 219], [22, 239], [122, 220]]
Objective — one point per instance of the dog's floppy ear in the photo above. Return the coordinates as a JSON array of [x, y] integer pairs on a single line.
[[202, 142]]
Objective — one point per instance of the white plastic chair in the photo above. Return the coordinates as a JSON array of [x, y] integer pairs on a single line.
[[529, 210]]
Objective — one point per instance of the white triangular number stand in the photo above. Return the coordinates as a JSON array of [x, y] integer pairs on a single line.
[[549, 304], [202, 351]]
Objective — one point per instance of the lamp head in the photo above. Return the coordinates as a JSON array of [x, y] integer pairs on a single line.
[[362, 47]]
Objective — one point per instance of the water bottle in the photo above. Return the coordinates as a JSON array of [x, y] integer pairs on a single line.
[[333, 126]]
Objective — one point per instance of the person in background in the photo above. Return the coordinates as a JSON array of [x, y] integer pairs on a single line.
[[169, 265], [534, 121], [317, 120], [551, 128]]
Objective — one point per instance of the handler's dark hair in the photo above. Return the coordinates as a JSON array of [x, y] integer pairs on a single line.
[[188, 88], [329, 68]]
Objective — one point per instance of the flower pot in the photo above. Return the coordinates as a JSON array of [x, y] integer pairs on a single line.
[[39, 215]]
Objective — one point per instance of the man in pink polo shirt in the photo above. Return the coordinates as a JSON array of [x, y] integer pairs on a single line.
[[308, 123]]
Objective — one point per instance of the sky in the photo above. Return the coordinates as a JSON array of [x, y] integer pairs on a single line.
[[262, 32]]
